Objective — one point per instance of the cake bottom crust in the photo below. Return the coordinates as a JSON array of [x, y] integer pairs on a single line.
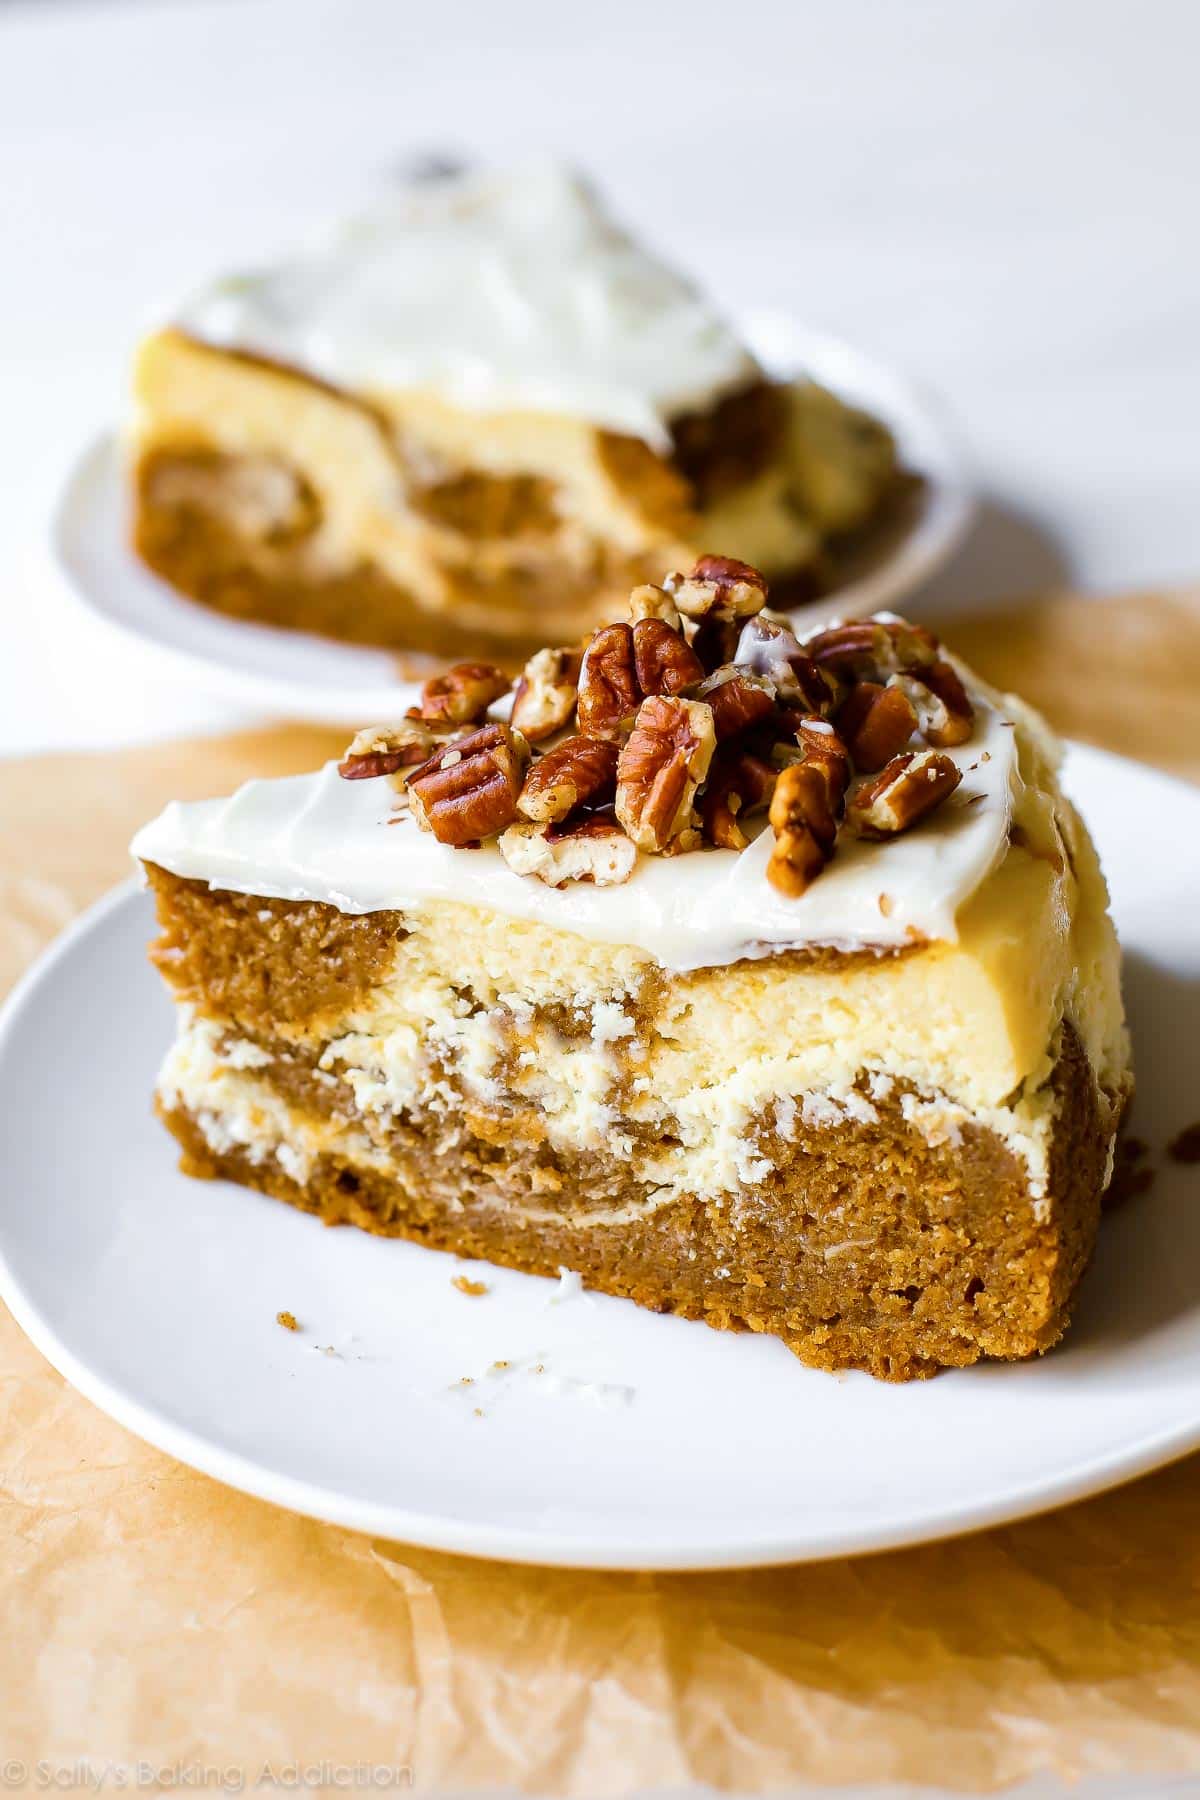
[[867, 1247]]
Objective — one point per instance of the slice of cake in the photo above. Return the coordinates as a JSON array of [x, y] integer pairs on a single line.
[[762, 981], [472, 421]]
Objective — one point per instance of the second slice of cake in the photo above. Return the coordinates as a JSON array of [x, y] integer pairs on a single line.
[[765, 982]]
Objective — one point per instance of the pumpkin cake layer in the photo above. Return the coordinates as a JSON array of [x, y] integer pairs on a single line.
[[472, 422], [874, 1117]]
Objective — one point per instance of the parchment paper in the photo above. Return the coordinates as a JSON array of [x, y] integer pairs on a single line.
[[175, 1634]]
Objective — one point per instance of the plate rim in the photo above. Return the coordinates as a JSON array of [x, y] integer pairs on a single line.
[[536, 1546], [912, 411]]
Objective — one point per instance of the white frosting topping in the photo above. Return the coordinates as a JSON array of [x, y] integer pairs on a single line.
[[319, 837], [496, 293]]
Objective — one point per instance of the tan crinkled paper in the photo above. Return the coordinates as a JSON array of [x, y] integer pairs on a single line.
[[156, 1623]]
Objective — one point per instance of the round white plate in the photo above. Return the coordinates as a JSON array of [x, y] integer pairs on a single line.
[[293, 674], [591, 1433]]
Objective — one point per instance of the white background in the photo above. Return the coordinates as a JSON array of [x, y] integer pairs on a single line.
[[998, 195]]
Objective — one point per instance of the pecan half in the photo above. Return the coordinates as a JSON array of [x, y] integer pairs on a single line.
[[662, 764], [577, 770], [604, 856], [608, 684], [905, 790], [876, 722], [386, 749], [738, 700], [468, 791], [719, 587], [650, 602], [865, 649], [462, 695], [544, 697], [738, 784], [944, 713]]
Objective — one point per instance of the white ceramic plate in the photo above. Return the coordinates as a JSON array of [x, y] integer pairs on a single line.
[[292, 674], [642, 1441]]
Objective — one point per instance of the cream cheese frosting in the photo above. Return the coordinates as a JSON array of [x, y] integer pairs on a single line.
[[495, 293], [348, 844]]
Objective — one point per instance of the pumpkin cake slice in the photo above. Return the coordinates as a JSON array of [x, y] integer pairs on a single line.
[[762, 981]]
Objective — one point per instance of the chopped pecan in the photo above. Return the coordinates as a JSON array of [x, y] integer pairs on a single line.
[[718, 587], [468, 790], [738, 700], [738, 784], [650, 602], [663, 660], [544, 697], [905, 790], [865, 649], [662, 764], [579, 769], [603, 855], [876, 723], [806, 807], [767, 648], [608, 685], [386, 749], [462, 695], [944, 713], [805, 831]]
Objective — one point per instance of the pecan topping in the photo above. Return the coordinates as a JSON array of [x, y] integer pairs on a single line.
[[715, 642], [738, 701], [939, 699], [719, 587], [908, 788], [876, 723], [650, 602], [462, 695], [544, 697], [579, 769], [662, 764], [738, 784], [603, 855], [806, 807], [608, 685], [468, 791], [663, 660], [865, 649], [768, 648], [385, 749]]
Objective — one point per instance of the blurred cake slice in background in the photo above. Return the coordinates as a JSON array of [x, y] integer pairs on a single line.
[[469, 422]]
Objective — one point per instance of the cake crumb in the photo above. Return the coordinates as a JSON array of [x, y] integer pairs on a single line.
[[1184, 1147], [287, 1320], [885, 905], [478, 1411], [500, 1365], [465, 1285]]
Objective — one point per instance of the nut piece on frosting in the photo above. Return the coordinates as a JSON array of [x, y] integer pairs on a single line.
[[462, 695], [386, 750], [545, 694], [905, 790], [580, 770], [806, 809], [661, 767], [598, 851], [468, 791], [670, 730]]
